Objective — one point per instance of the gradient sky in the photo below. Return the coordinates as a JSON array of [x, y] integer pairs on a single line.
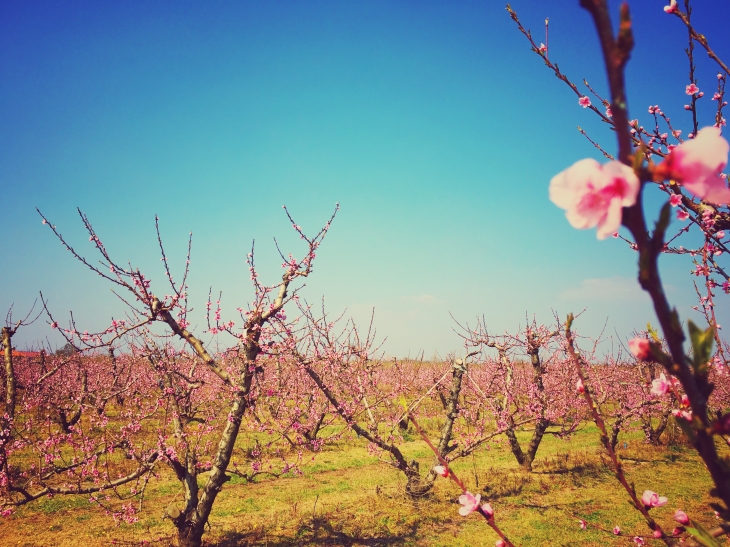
[[431, 123]]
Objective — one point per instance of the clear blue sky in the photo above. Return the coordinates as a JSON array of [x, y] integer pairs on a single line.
[[431, 123]]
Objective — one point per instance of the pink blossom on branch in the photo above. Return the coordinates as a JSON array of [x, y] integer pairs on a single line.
[[698, 164], [660, 386], [470, 503], [441, 471], [681, 517], [675, 199], [584, 101], [691, 89], [672, 7], [652, 499], [594, 195]]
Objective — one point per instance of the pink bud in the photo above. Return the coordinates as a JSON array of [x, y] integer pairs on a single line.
[[681, 517], [441, 470]]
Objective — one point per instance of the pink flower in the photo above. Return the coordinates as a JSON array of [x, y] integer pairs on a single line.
[[684, 414], [579, 387], [54, 325], [652, 499], [499, 543], [616, 531], [638, 540], [698, 164], [441, 470], [672, 7], [675, 199], [657, 534], [640, 348], [487, 508], [594, 195], [542, 48], [609, 113], [582, 524], [470, 503], [584, 101], [660, 386], [691, 89], [681, 517], [682, 215]]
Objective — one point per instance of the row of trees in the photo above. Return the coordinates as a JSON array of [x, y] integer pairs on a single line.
[[100, 421]]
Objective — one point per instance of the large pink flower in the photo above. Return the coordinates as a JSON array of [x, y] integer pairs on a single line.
[[594, 195], [697, 165]]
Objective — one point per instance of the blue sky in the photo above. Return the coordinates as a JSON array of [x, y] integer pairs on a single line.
[[431, 123]]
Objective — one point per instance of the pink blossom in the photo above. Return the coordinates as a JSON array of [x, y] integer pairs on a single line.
[[681, 517], [672, 7], [594, 195], [660, 386], [542, 48], [579, 387], [582, 524], [657, 534], [675, 199], [499, 543], [609, 113], [640, 348], [698, 164], [652, 499], [487, 508], [54, 325], [616, 531], [684, 414], [470, 503], [584, 101], [639, 540], [682, 215], [691, 89], [441, 470]]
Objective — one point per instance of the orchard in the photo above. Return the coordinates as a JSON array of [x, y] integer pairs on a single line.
[[192, 418]]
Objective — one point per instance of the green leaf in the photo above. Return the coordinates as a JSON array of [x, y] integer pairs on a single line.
[[652, 331], [702, 342], [702, 536]]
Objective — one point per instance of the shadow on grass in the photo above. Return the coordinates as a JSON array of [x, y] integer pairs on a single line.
[[318, 532]]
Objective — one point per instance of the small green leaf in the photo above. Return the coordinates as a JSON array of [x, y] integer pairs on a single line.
[[702, 342], [652, 331], [702, 536]]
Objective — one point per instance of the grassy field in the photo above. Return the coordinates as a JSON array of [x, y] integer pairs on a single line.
[[347, 497]]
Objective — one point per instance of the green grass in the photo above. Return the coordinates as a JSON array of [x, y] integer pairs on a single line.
[[348, 497]]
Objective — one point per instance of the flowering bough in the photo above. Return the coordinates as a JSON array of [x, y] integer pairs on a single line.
[[611, 195], [469, 502]]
